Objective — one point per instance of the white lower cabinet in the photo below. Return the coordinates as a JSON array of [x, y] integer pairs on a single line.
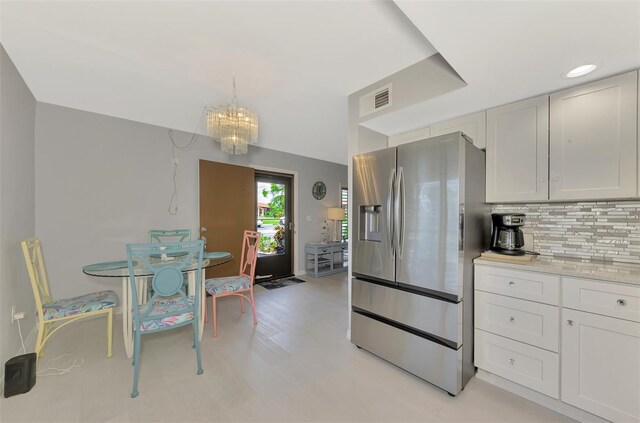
[[601, 365], [584, 353], [516, 338]]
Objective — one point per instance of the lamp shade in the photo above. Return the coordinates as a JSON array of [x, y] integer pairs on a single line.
[[335, 213]]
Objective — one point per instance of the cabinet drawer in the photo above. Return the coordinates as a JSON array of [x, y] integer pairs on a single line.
[[609, 299], [318, 250], [532, 367], [525, 321], [530, 286], [339, 248]]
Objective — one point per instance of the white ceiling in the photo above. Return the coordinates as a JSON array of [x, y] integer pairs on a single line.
[[296, 62], [162, 62], [510, 50]]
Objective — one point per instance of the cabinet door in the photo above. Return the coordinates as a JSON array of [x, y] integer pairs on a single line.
[[518, 150], [601, 365], [593, 140], [417, 135], [473, 125]]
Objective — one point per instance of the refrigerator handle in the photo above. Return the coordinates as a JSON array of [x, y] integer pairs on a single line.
[[399, 212], [461, 229], [390, 202]]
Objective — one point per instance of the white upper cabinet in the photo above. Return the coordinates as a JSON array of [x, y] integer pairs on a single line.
[[517, 151], [417, 135], [594, 141], [473, 125]]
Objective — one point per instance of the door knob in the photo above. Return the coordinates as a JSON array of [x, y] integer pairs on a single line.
[[203, 229]]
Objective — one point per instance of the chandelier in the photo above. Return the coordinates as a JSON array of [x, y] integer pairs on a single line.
[[232, 126]]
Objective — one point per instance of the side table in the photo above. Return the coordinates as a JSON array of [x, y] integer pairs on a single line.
[[325, 258]]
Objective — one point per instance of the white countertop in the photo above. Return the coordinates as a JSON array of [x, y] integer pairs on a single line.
[[591, 269]]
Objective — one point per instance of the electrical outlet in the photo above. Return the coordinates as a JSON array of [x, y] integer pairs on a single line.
[[16, 315]]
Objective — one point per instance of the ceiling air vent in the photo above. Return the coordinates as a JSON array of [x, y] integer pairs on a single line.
[[376, 100]]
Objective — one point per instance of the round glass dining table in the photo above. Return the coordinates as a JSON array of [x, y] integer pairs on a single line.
[[120, 269]]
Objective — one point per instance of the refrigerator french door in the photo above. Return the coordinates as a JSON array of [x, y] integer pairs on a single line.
[[420, 219]]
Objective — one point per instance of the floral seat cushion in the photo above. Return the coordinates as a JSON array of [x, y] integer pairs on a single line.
[[219, 286], [164, 306], [87, 303]]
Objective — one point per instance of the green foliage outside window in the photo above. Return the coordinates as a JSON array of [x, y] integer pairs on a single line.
[[276, 205]]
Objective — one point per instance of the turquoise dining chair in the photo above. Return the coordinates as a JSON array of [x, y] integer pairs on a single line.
[[169, 307], [169, 235], [166, 235]]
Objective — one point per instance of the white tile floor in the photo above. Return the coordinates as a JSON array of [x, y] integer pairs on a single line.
[[295, 366]]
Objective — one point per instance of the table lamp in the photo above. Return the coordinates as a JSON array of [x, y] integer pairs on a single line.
[[336, 214]]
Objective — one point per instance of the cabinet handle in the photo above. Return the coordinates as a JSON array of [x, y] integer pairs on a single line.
[[555, 179], [512, 361], [621, 302], [511, 319], [570, 322], [512, 283], [542, 179]]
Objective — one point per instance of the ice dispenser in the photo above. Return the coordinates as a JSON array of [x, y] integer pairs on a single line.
[[370, 223]]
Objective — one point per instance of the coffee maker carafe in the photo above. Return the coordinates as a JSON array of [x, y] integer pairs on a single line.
[[506, 236]]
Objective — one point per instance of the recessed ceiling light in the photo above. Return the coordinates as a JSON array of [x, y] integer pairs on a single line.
[[580, 71]]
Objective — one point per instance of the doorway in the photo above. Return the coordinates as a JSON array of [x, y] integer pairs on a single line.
[[227, 201], [274, 217]]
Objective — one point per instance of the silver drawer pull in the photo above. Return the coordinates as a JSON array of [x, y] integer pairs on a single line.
[[512, 283], [512, 361], [621, 302], [511, 319], [570, 322]]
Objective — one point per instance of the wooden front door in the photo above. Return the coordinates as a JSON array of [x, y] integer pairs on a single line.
[[227, 209]]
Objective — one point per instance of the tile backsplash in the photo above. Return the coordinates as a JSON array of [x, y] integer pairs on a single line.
[[607, 231]]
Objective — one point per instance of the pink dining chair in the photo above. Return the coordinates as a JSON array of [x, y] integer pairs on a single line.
[[240, 285]]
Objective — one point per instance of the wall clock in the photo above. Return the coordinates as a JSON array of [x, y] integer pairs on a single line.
[[319, 190]]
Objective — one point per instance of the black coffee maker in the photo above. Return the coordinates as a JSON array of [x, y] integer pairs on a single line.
[[506, 236]]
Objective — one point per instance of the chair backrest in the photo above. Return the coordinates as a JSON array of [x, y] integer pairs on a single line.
[[250, 244], [169, 235], [37, 274], [166, 262]]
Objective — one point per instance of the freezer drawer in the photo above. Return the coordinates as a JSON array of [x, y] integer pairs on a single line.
[[430, 315], [432, 362]]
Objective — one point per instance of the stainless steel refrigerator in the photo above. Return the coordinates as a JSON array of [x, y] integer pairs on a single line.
[[419, 219]]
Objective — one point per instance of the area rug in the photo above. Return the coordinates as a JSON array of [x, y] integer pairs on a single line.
[[280, 283]]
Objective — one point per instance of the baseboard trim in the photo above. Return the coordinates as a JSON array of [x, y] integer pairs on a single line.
[[540, 399]]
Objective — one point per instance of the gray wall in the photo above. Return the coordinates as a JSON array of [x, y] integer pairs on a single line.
[[17, 202], [104, 181]]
